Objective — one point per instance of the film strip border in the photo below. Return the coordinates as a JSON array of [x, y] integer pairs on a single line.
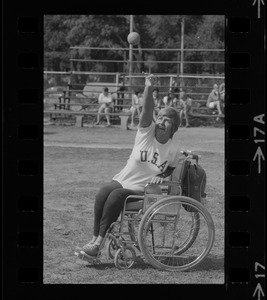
[[245, 145], [245, 153], [22, 165]]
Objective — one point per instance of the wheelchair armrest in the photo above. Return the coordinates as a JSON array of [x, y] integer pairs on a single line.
[[174, 187], [136, 197], [135, 203], [133, 198], [167, 182]]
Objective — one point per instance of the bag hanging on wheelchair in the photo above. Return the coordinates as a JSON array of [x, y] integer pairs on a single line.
[[194, 183]]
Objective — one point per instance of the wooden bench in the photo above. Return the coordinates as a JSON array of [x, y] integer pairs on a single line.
[[85, 106], [67, 101], [195, 111], [124, 116], [205, 116]]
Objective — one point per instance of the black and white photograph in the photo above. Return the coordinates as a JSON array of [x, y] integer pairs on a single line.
[[134, 149]]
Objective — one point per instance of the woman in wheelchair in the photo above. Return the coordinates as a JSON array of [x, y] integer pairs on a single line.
[[153, 157]]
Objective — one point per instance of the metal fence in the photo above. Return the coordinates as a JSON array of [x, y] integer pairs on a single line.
[[91, 72]]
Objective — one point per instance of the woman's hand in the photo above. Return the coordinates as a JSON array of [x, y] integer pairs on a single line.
[[146, 116], [156, 180], [150, 80]]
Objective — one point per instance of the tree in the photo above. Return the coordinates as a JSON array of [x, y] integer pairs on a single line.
[[209, 35], [157, 31]]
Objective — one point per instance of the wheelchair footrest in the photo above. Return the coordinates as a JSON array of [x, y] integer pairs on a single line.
[[92, 260]]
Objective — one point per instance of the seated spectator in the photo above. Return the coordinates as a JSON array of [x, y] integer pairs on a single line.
[[222, 95], [185, 107], [170, 100], [136, 105], [213, 101], [106, 103], [158, 102]]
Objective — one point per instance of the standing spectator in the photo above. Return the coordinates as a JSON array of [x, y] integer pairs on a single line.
[[177, 92], [185, 105], [157, 102], [136, 105], [106, 103], [213, 101], [120, 94], [222, 92], [222, 95], [170, 100]]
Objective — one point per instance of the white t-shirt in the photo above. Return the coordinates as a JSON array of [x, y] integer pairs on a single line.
[[148, 158], [107, 100], [136, 101]]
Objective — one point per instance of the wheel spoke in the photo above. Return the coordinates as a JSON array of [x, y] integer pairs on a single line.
[[178, 241]]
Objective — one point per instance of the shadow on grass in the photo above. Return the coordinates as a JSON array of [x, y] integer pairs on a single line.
[[139, 264], [210, 263]]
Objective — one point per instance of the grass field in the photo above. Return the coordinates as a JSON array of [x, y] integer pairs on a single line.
[[77, 161]]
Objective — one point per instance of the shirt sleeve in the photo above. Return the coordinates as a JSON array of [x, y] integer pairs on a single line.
[[144, 133], [174, 158]]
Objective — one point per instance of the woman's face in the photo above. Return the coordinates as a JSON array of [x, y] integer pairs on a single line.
[[163, 126]]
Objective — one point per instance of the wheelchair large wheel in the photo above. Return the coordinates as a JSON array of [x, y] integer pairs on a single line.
[[132, 230], [193, 232], [176, 233]]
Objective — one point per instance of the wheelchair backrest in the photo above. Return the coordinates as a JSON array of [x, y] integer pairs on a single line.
[[178, 175]]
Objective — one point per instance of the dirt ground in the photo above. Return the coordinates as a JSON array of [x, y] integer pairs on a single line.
[[77, 161]]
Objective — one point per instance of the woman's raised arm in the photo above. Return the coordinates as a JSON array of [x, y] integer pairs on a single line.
[[146, 116]]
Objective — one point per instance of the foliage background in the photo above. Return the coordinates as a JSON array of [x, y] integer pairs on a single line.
[[157, 31]]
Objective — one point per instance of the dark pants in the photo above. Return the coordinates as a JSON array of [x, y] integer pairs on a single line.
[[109, 203]]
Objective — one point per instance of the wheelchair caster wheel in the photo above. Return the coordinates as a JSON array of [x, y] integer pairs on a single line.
[[124, 257], [112, 247]]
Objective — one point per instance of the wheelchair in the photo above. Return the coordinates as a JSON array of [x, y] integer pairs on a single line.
[[173, 232]]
